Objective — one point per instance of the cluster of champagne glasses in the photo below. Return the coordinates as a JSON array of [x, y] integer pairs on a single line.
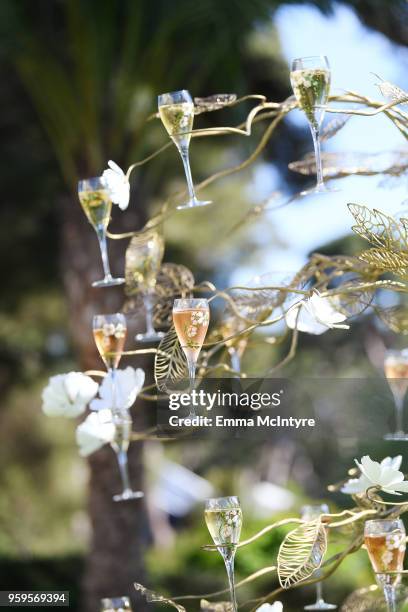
[[110, 332], [385, 541], [396, 372]]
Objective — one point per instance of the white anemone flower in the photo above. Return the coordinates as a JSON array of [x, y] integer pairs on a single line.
[[118, 184], [315, 315], [97, 430], [68, 394], [275, 607], [128, 384], [385, 475]]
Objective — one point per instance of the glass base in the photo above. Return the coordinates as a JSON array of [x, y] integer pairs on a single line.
[[127, 495], [397, 436], [194, 203], [319, 189], [151, 337], [320, 605], [108, 281]]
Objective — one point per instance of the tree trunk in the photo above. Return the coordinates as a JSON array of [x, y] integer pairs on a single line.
[[119, 530]]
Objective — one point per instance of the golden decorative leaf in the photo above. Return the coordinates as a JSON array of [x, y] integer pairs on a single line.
[[213, 103], [301, 553], [152, 597], [349, 299], [367, 599], [334, 126], [170, 363], [384, 260], [392, 92], [173, 281], [396, 318], [378, 228]]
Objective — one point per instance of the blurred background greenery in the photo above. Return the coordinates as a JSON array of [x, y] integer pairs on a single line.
[[79, 80]]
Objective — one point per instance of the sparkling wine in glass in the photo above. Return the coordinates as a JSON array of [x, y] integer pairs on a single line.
[[191, 318], [96, 202], [115, 604], [385, 543], [396, 372], [223, 517], [110, 335], [144, 256], [309, 513], [310, 79], [176, 111]]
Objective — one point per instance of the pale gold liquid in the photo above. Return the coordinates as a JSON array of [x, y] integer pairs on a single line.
[[97, 206], [178, 121], [314, 93], [143, 262], [224, 525], [109, 347], [397, 376], [382, 558], [191, 335]]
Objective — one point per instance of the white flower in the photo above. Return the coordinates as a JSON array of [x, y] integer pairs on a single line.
[[118, 184], [385, 475], [314, 315], [68, 394], [387, 558], [97, 429], [199, 317], [191, 331], [276, 607], [128, 383]]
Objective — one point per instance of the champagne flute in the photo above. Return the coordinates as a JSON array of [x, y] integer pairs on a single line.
[[385, 543], [310, 79], [223, 517], [396, 372], [191, 318], [110, 334], [176, 111], [309, 513], [143, 259], [115, 604], [96, 202], [236, 347]]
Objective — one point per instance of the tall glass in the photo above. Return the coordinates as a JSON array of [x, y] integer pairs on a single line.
[[97, 204], [115, 604], [176, 111], [396, 372], [110, 334], [144, 256], [191, 318], [223, 517], [310, 79], [309, 513], [385, 543]]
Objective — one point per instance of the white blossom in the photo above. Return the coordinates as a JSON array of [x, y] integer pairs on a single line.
[[315, 315], [128, 384], [385, 475], [275, 607], [68, 394], [97, 429], [118, 184]]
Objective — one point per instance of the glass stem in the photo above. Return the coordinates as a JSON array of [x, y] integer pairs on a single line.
[[123, 468], [148, 302], [319, 593], [229, 556], [101, 233], [389, 594], [399, 413], [316, 143], [186, 163], [112, 374], [235, 359]]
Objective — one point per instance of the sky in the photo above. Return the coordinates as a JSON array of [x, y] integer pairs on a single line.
[[354, 52]]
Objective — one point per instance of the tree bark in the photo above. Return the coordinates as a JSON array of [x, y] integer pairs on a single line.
[[119, 530]]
